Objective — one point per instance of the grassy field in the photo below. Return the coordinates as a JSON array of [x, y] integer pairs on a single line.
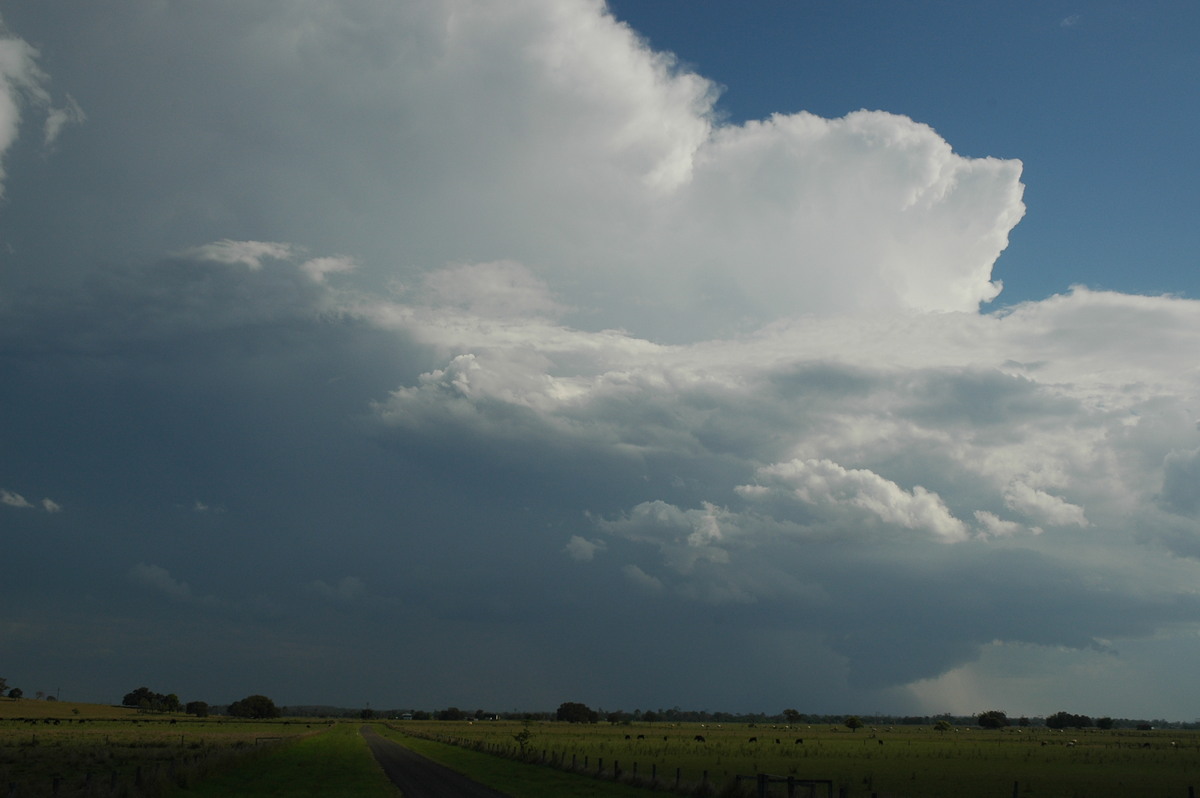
[[900, 762], [58, 748], [334, 763]]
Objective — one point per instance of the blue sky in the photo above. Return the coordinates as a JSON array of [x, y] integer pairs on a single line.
[[1092, 98], [491, 355]]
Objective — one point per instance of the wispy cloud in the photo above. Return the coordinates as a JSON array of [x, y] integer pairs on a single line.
[[13, 499]]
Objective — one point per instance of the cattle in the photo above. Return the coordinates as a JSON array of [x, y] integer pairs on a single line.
[[753, 740], [641, 737], [881, 742], [799, 741], [627, 737], [699, 738]]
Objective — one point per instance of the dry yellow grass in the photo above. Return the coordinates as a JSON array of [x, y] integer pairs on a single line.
[[33, 708]]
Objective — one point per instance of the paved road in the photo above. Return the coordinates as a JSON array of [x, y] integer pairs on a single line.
[[418, 777]]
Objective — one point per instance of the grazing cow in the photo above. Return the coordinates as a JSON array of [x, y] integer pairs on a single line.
[[753, 739], [881, 742], [627, 737], [776, 741], [641, 737], [799, 741], [699, 738]]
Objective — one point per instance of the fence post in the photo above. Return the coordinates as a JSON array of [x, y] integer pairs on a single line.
[[762, 785], [1016, 784]]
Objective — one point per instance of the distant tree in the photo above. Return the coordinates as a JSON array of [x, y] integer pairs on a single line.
[[1104, 723], [942, 725], [421, 714], [367, 714], [171, 703], [197, 708], [50, 697], [3, 684], [1022, 721], [792, 716], [451, 713], [145, 698], [39, 695], [853, 723], [1065, 720], [16, 692], [650, 716], [574, 712], [993, 719], [254, 706]]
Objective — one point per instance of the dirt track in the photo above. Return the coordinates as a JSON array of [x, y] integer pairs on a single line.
[[418, 777]]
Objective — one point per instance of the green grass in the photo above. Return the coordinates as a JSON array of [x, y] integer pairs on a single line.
[[513, 778], [911, 762], [333, 763], [132, 755]]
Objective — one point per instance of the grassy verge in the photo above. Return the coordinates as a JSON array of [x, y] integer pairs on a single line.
[[516, 779], [331, 764]]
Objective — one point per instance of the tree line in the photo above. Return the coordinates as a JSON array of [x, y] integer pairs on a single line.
[[253, 706]]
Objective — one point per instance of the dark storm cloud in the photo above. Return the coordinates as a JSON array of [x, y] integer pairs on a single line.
[[462, 342]]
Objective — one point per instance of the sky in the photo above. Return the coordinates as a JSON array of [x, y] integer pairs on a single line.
[[739, 357]]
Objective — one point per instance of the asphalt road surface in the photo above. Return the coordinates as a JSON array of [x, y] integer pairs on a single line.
[[418, 777]]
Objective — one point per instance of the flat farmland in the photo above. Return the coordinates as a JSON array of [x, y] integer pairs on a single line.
[[887, 762], [53, 748]]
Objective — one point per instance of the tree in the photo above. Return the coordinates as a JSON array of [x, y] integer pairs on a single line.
[[197, 708], [792, 716], [1065, 720], [523, 737], [254, 706], [145, 698], [451, 713], [993, 719], [854, 723], [574, 712], [367, 714], [942, 725], [16, 692], [3, 684], [1104, 723]]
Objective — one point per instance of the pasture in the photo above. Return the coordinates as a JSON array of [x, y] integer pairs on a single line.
[[895, 762], [58, 748]]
